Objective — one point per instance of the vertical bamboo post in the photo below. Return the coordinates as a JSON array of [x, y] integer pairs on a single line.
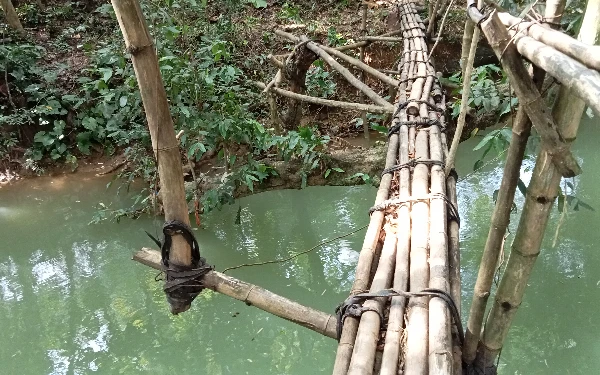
[[12, 19], [501, 215], [466, 92], [541, 193], [363, 31], [166, 147]]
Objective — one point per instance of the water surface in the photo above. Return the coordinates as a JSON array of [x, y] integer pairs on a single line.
[[73, 302]]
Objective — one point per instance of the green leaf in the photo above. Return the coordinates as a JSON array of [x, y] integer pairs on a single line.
[[340, 170], [106, 73], [478, 164], [327, 172], [123, 101]]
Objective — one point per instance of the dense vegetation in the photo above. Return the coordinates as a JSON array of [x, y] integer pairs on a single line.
[[69, 92]]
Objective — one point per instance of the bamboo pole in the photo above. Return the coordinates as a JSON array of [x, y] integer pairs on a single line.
[[330, 103], [467, 41], [380, 39], [501, 215], [365, 260], [454, 267], [361, 53], [12, 19], [256, 296], [346, 74], [393, 337], [584, 82], [587, 54], [541, 193], [418, 314], [363, 356], [440, 338], [466, 92], [166, 147], [529, 97], [359, 64], [432, 17]]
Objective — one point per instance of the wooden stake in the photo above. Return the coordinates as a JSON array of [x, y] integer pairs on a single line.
[[166, 147]]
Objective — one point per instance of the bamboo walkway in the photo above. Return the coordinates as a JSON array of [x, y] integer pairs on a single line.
[[412, 238]]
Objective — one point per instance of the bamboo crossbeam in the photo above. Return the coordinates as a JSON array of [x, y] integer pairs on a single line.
[[529, 96], [584, 82], [256, 296], [381, 39], [588, 55], [329, 103]]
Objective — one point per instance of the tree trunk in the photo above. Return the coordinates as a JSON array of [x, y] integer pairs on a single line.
[[12, 19]]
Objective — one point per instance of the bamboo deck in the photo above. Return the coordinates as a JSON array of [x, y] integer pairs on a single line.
[[413, 243]]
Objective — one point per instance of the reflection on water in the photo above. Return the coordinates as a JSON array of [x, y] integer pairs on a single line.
[[73, 302]]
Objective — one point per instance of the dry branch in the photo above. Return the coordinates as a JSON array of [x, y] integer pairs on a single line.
[[256, 296]]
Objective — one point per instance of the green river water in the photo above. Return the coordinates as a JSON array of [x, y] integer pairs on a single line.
[[72, 301]]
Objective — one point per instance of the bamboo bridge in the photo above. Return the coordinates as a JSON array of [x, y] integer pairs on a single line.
[[403, 313]]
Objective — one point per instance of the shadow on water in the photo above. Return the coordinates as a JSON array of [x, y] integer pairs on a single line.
[[73, 302]]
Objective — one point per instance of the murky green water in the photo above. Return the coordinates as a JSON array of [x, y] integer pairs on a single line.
[[73, 302]]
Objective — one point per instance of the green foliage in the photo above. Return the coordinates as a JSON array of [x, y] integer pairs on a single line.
[[334, 38], [319, 82], [489, 92], [257, 3], [290, 12], [496, 140]]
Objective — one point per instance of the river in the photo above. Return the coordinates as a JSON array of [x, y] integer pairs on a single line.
[[73, 302]]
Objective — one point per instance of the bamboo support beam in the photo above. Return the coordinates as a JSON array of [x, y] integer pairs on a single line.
[[529, 96], [166, 147], [587, 54], [326, 102], [584, 82], [256, 296], [501, 215]]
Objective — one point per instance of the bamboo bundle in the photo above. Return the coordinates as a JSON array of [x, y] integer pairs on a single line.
[[587, 54]]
